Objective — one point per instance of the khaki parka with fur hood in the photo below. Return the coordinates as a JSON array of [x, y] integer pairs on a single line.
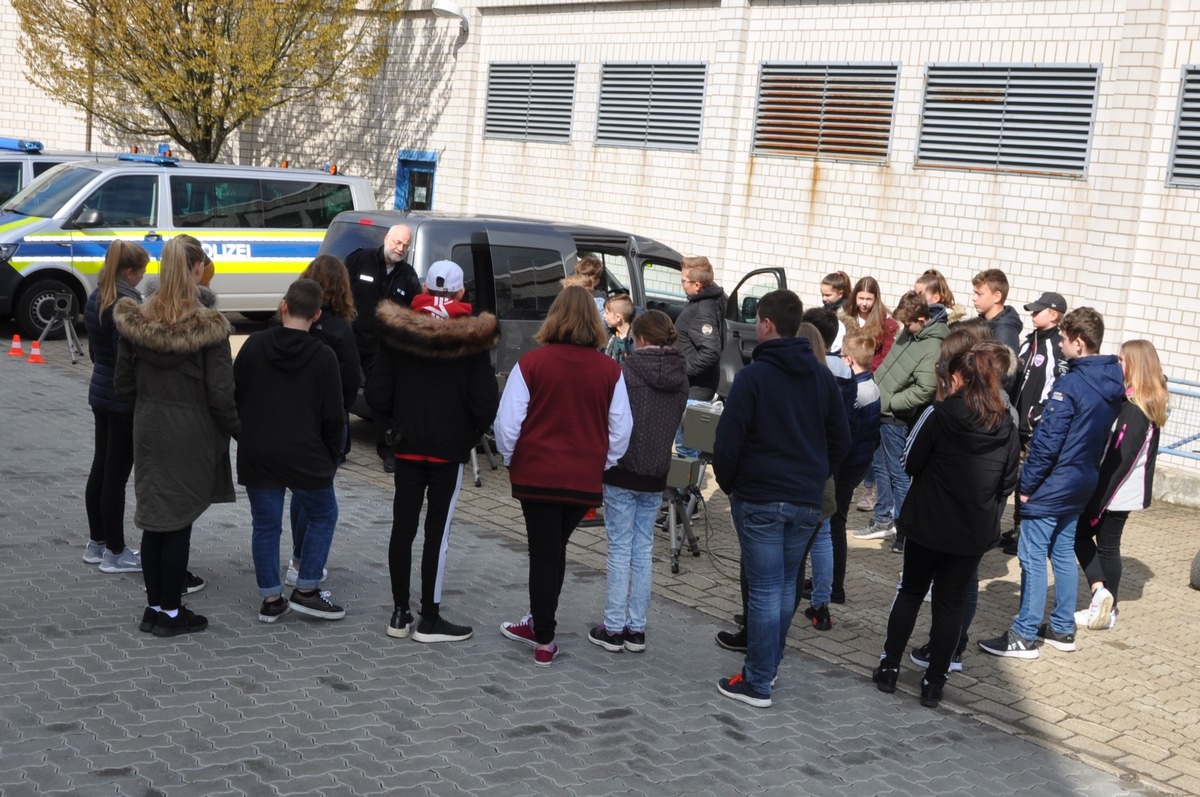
[[179, 379], [434, 378]]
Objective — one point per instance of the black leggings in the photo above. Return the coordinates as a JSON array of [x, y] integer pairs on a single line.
[[548, 528], [950, 576], [1098, 549], [164, 565], [112, 461]]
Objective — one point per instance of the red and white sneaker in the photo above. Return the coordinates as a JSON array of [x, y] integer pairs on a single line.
[[520, 631], [544, 657]]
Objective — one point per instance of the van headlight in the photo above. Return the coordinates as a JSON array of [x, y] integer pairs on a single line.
[[7, 251]]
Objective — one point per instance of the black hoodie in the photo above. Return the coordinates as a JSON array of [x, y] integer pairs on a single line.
[[289, 399], [961, 475]]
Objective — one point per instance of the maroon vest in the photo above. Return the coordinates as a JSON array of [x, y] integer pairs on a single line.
[[561, 451]]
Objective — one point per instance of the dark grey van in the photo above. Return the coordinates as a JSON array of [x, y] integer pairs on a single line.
[[512, 267]]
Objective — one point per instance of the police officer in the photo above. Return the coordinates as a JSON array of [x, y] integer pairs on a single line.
[[375, 275]]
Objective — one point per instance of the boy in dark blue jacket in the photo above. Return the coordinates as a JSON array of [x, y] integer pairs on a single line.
[[1057, 480], [781, 436], [857, 351]]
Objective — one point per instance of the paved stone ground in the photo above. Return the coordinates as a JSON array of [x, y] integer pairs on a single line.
[[90, 706]]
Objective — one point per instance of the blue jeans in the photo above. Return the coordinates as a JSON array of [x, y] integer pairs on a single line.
[[822, 566], [320, 514], [629, 521], [773, 538], [1043, 537], [891, 482]]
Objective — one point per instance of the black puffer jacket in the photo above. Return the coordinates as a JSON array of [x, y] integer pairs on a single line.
[[1006, 328], [961, 476], [103, 338], [657, 384], [434, 378], [701, 328]]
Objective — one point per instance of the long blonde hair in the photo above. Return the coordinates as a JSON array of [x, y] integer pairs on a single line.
[[1144, 379], [121, 256], [177, 296]]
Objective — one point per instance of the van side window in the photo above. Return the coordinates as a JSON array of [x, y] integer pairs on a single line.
[[297, 204], [616, 271], [10, 180], [216, 202], [128, 200], [476, 294], [527, 280]]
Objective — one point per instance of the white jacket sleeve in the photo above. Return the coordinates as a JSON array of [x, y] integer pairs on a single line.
[[620, 424], [511, 415]]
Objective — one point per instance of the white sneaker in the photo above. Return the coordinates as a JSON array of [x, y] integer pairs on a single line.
[[1081, 620], [125, 562], [875, 531], [293, 573], [1100, 610]]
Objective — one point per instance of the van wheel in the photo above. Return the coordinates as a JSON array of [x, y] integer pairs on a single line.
[[1196, 572], [34, 309], [258, 316]]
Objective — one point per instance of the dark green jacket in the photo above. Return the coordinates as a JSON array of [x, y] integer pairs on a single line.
[[906, 378]]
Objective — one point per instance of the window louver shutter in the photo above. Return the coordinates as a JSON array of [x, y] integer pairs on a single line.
[[530, 102], [827, 111], [651, 105], [1018, 118], [1185, 147]]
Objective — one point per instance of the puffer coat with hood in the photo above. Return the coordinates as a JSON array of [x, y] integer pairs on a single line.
[[179, 379], [657, 383], [434, 378], [961, 475], [289, 399], [1063, 465]]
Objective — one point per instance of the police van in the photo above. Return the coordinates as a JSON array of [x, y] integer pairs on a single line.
[[261, 226], [23, 160], [513, 268]]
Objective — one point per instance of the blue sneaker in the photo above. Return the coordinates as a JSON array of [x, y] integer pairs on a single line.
[[94, 552]]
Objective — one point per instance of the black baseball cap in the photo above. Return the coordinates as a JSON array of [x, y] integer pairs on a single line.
[[1054, 301]]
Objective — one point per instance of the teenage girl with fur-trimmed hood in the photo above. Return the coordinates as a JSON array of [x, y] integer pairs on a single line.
[[174, 366]]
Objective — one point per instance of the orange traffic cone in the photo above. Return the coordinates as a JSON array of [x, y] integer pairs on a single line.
[[35, 354], [15, 350]]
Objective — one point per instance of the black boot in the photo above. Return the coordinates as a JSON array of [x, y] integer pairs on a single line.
[[885, 678], [931, 694]]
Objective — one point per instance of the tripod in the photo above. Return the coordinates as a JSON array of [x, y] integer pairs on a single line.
[[64, 316], [681, 498]]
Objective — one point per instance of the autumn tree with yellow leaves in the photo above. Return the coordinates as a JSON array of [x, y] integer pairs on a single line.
[[195, 70]]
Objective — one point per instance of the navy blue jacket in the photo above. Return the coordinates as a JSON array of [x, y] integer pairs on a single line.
[[102, 348], [784, 430], [1063, 465], [864, 416]]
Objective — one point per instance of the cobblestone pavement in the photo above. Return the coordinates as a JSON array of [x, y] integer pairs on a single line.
[[90, 706]]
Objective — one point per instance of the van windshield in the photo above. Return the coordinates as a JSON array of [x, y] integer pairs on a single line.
[[46, 195]]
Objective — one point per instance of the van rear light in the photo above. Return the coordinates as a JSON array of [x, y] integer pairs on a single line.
[[366, 221]]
